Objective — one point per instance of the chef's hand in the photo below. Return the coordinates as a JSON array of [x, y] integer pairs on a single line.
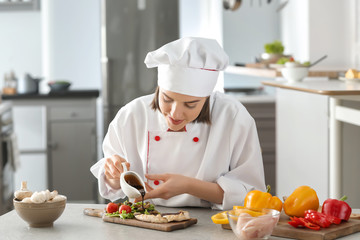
[[175, 184], [172, 185], [113, 170]]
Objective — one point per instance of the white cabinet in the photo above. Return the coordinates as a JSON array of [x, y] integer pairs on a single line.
[[302, 130], [30, 129], [302, 142]]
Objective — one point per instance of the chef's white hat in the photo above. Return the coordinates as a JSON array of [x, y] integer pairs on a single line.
[[188, 66]]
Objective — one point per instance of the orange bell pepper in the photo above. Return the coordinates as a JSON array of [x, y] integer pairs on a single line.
[[302, 199], [258, 199]]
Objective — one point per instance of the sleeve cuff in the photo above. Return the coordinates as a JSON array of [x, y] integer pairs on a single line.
[[105, 190], [234, 193]]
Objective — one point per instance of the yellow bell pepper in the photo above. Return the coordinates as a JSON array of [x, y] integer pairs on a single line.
[[220, 218], [302, 199], [258, 199], [253, 213]]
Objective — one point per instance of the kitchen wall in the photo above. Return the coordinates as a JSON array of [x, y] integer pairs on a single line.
[[71, 42], [311, 29], [245, 32], [247, 29], [20, 43], [30, 43]]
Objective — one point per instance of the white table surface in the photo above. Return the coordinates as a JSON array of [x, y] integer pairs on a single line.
[[73, 224]]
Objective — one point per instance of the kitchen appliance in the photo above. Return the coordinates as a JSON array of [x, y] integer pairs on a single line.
[[130, 29], [7, 158]]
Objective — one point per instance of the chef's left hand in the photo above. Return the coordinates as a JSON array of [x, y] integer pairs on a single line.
[[172, 185]]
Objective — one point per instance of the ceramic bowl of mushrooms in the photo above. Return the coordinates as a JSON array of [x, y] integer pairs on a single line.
[[38, 209]]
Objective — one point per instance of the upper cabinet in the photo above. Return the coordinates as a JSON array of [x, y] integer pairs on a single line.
[[19, 5]]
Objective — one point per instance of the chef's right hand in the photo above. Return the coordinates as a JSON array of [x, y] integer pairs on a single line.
[[113, 170]]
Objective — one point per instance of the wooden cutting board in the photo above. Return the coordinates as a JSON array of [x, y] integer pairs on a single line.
[[166, 227], [283, 229]]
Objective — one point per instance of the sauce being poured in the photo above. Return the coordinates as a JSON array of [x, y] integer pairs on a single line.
[[134, 182]]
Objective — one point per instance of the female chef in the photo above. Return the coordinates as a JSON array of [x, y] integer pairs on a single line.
[[194, 147]]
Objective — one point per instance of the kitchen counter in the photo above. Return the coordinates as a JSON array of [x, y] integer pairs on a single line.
[[274, 73], [73, 224], [322, 87], [256, 98], [54, 95]]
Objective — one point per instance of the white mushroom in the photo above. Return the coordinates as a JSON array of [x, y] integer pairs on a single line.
[[23, 192], [59, 198], [39, 197], [53, 194], [47, 194], [27, 200]]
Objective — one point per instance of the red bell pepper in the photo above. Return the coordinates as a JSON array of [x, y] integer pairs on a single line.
[[337, 208], [329, 218], [296, 222], [317, 218], [302, 222]]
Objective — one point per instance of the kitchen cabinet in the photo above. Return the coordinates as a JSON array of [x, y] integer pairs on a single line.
[[264, 116], [72, 149], [31, 143], [69, 153], [262, 107], [57, 142]]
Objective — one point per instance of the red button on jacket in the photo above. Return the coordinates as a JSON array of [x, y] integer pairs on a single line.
[[195, 139], [157, 138]]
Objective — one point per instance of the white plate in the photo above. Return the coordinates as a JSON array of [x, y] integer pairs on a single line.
[[349, 79]]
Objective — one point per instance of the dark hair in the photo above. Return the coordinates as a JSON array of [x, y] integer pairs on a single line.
[[204, 115]]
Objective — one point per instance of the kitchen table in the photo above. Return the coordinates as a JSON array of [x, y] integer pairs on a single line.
[[337, 91], [73, 224]]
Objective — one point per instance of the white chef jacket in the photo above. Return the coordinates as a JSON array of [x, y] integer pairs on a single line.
[[226, 152]]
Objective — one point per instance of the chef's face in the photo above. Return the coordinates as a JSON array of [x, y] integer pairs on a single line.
[[179, 109]]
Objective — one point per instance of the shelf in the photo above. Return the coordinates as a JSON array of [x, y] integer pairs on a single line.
[[274, 73]]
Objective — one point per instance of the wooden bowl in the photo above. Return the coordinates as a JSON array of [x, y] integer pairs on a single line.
[[39, 214]]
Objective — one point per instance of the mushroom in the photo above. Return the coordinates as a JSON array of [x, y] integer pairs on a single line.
[[23, 192], [39, 197], [27, 200], [53, 194], [59, 198]]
